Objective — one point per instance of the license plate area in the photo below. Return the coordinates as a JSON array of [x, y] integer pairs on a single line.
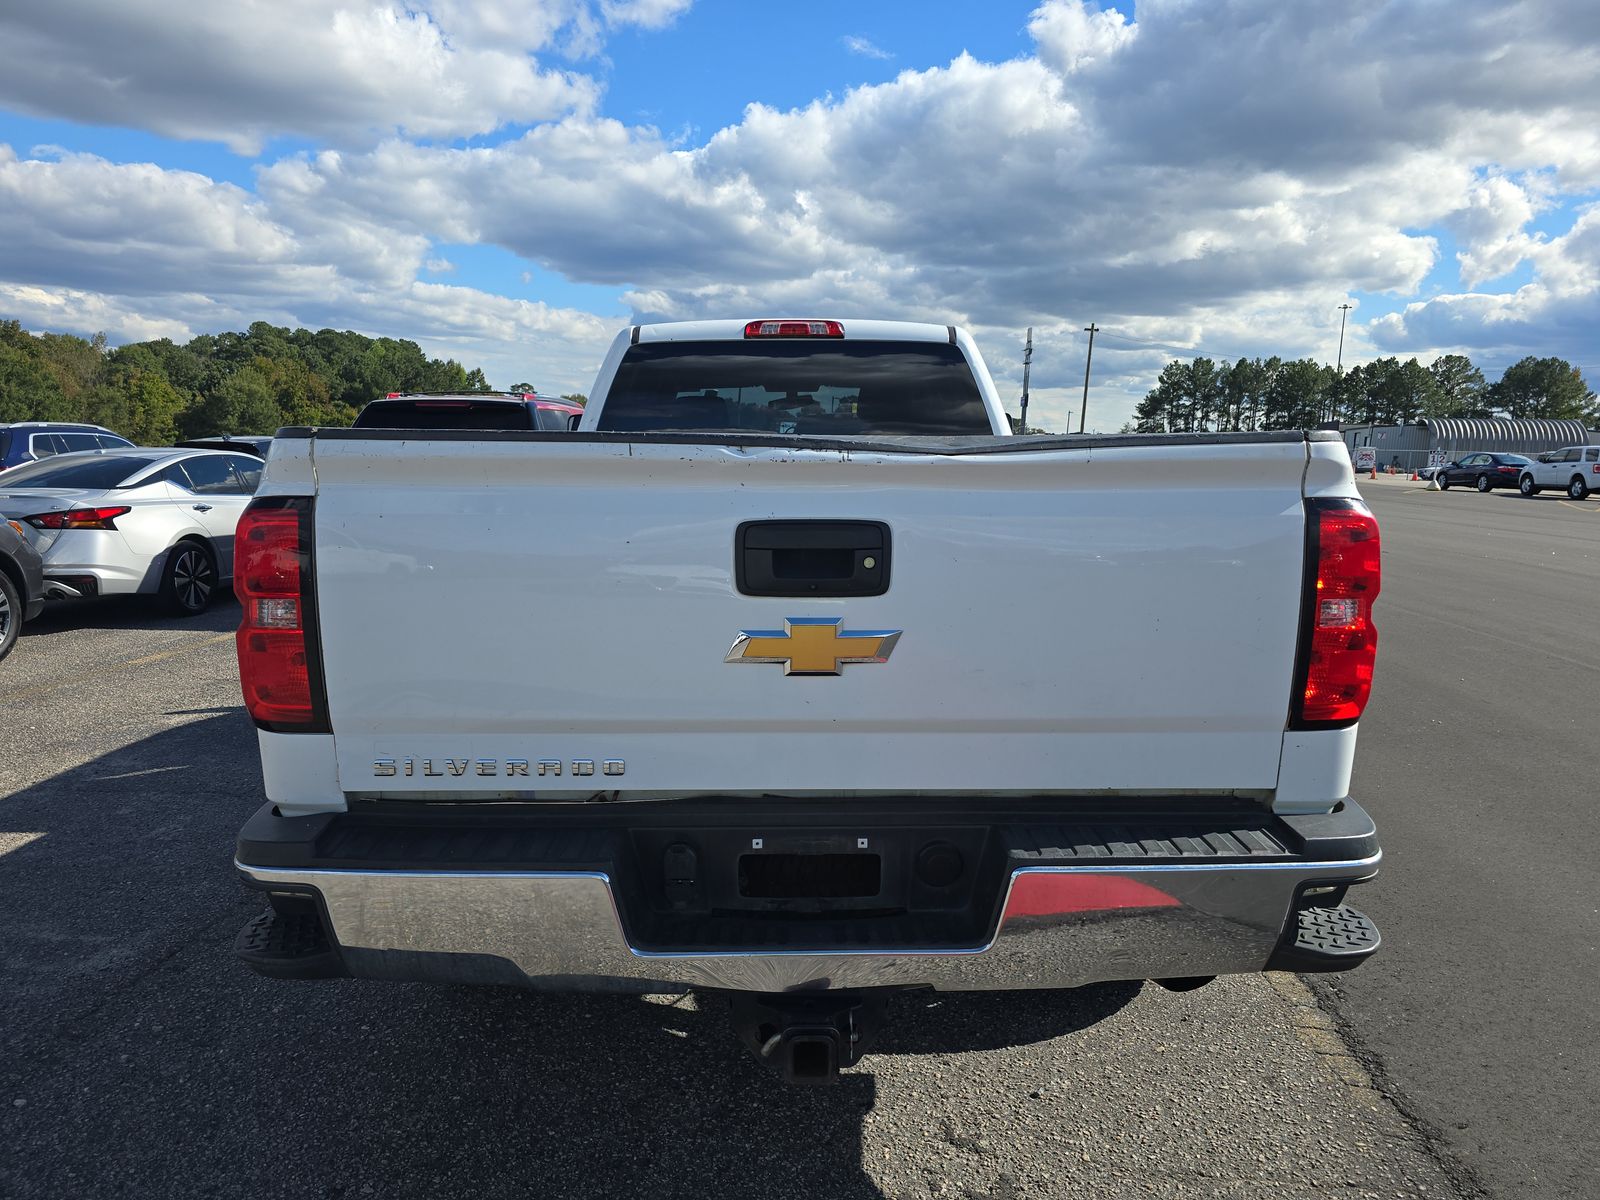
[[779, 876]]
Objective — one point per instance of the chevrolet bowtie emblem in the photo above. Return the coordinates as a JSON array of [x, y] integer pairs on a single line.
[[813, 646]]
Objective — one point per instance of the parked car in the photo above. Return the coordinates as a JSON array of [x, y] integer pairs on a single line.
[[250, 444], [147, 521], [28, 441], [21, 583], [1483, 471], [475, 410], [1573, 469]]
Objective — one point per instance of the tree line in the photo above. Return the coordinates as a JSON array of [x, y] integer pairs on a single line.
[[156, 392], [1271, 393]]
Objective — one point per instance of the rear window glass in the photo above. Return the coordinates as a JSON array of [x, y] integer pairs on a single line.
[[97, 471], [796, 387], [445, 414], [1516, 459]]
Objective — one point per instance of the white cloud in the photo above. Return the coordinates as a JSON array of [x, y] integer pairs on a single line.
[[1072, 36], [1213, 178], [864, 47], [243, 73], [1558, 313], [648, 14], [94, 245]]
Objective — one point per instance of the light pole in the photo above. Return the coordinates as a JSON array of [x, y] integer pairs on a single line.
[[1344, 311], [1083, 414], [1027, 362]]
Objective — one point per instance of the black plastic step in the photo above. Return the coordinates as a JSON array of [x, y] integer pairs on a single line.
[[1327, 939], [1227, 838], [288, 946]]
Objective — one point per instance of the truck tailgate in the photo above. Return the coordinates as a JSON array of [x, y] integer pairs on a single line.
[[1111, 619]]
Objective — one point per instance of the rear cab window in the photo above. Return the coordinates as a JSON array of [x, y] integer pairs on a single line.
[[445, 414], [801, 387]]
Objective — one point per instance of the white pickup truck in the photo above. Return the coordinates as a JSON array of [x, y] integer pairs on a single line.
[[791, 676]]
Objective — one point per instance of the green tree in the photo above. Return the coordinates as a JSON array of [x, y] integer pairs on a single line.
[[1458, 388], [1154, 413], [1296, 397], [1551, 388], [139, 404], [242, 403], [28, 391], [577, 398]]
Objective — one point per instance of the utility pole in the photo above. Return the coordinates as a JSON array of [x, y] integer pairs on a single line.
[[1344, 311], [1083, 414], [1027, 361]]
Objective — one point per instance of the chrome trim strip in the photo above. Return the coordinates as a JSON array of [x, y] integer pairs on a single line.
[[562, 929]]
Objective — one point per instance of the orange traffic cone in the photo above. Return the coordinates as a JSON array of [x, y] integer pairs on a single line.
[[1414, 478]]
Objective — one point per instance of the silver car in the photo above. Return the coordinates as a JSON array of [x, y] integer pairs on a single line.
[[154, 522]]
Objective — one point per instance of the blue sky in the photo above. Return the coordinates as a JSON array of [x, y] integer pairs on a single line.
[[509, 181]]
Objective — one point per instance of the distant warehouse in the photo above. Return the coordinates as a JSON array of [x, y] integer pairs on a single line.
[[1446, 439]]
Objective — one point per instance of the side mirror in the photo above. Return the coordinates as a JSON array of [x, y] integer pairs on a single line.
[[573, 422]]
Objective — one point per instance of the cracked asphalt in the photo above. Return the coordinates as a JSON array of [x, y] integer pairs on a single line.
[[138, 1059]]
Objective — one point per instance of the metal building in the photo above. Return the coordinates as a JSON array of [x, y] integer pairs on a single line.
[[1409, 447]]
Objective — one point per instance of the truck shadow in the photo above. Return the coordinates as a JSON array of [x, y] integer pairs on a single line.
[[130, 612], [147, 1061]]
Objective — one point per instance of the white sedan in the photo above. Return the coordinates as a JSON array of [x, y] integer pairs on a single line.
[[148, 521]]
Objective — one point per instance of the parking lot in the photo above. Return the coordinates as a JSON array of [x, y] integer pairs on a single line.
[[141, 1060]]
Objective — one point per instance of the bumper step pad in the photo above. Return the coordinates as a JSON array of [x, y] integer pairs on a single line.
[[288, 946], [1327, 939]]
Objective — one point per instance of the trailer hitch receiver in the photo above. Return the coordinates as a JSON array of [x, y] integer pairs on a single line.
[[804, 1037]]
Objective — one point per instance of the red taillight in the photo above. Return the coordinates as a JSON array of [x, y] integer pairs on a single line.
[[816, 329], [1507, 470], [435, 404], [79, 518], [278, 666], [1340, 641]]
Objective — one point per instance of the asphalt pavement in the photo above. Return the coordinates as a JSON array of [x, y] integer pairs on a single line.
[[1479, 757], [138, 1059]]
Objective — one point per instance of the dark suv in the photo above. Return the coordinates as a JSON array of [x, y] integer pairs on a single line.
[[28, 441]]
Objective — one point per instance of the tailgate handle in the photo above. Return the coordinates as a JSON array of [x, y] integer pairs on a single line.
[[812, 558]]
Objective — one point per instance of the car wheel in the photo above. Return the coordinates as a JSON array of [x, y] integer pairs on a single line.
[[1483, 484], [190, 579], [10, 614], [1527, 487], [1577, 489], [1444, 481]]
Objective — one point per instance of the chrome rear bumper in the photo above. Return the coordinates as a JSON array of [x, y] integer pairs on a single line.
[[1059, 926]]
